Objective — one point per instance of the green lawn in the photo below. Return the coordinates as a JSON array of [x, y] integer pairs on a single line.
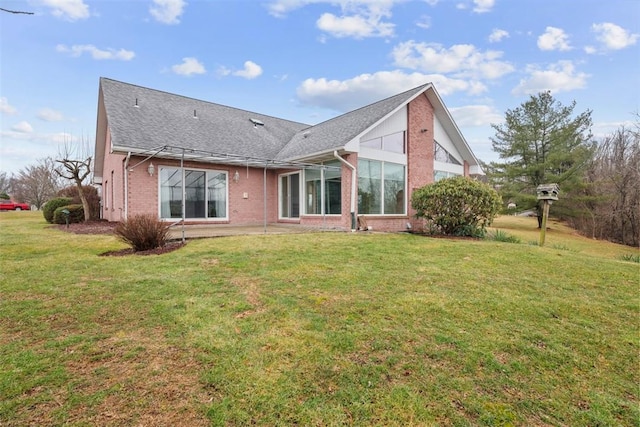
[[318, 329]]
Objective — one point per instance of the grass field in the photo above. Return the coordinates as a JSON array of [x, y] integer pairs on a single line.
[[318, 329]]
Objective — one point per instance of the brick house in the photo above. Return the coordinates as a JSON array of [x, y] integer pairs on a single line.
[[189, 160]]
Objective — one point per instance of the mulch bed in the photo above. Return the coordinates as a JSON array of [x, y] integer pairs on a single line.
[[169, 247], [106, 227]]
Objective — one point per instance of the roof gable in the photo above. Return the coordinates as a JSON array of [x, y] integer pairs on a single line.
[[336, 133]]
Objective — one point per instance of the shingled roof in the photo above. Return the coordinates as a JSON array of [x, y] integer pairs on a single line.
[[142, 120], [336, 133]]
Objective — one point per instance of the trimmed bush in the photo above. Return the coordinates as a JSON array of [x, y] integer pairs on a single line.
[[457, 206], [50, 207], [76, 214], [143, 232], [90, 192]]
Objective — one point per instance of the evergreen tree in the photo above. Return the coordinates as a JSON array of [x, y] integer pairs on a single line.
[[540, 142]]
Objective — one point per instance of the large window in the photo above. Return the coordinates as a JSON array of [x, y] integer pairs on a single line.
[[381, 188], [324, 184], [393, 143], [205, 193]]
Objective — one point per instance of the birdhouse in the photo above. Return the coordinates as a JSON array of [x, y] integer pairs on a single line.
[[548, 191]]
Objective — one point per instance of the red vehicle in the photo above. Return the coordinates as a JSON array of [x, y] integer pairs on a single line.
[[8, 205]]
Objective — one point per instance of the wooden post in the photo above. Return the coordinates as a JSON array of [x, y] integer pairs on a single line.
[[545, 215]]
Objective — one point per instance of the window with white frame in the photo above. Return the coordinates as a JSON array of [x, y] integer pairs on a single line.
[[381, 188], [442, 155], [393, 143], [323, 190], [205, 193]]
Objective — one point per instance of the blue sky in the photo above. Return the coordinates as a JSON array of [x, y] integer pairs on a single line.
[[310, 60]]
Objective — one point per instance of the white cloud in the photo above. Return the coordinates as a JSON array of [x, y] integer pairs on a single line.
[[483, 6], [167, 11], [5, 107], [189, 67], [497, 35], [50, 115], [464, 60], [345, 95], [357, 26], [558, 77], [475, 115], [424, 22], [613, 37], [99, 54], [554, 39], [280, 8], [71, 10], [22, 127], [28, 135], [358, 18], [250, 71]]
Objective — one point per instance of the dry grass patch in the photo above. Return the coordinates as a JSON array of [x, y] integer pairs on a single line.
[[130, 378]]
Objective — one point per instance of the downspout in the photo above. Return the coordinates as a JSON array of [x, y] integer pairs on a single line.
[[353, 189], [126, 185]]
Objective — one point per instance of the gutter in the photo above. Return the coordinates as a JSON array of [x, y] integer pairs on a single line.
[[353, 189], [126, 185]]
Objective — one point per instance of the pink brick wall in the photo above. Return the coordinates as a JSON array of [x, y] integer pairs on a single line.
[[420, 146], [143, 191], [112, 187]]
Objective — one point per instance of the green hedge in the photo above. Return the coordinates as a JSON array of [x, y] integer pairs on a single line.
[[50, 207], [76, 214]]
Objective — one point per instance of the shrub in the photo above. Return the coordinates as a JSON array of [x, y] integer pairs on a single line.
[[501, 236], [143, 232], [90, 192], [50, 207], [76, 214], [457, 206]]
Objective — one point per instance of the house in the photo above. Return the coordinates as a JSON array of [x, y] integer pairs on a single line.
[[188, 160]]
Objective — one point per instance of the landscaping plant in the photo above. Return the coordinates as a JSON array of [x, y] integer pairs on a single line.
[[50, 207], [75, 214], [457, 206], [143, 232]]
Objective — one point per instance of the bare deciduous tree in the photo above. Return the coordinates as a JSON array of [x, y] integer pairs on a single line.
[[77, 171], [35, 184], [611, 193]]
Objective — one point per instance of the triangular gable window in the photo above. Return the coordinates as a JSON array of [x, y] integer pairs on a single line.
[[443, 156]]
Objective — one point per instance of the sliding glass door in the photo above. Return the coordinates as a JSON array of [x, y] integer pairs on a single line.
[[290, 196]]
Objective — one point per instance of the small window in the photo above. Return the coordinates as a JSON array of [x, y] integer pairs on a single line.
[[394, 143], [443, 156], [373, 143]]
